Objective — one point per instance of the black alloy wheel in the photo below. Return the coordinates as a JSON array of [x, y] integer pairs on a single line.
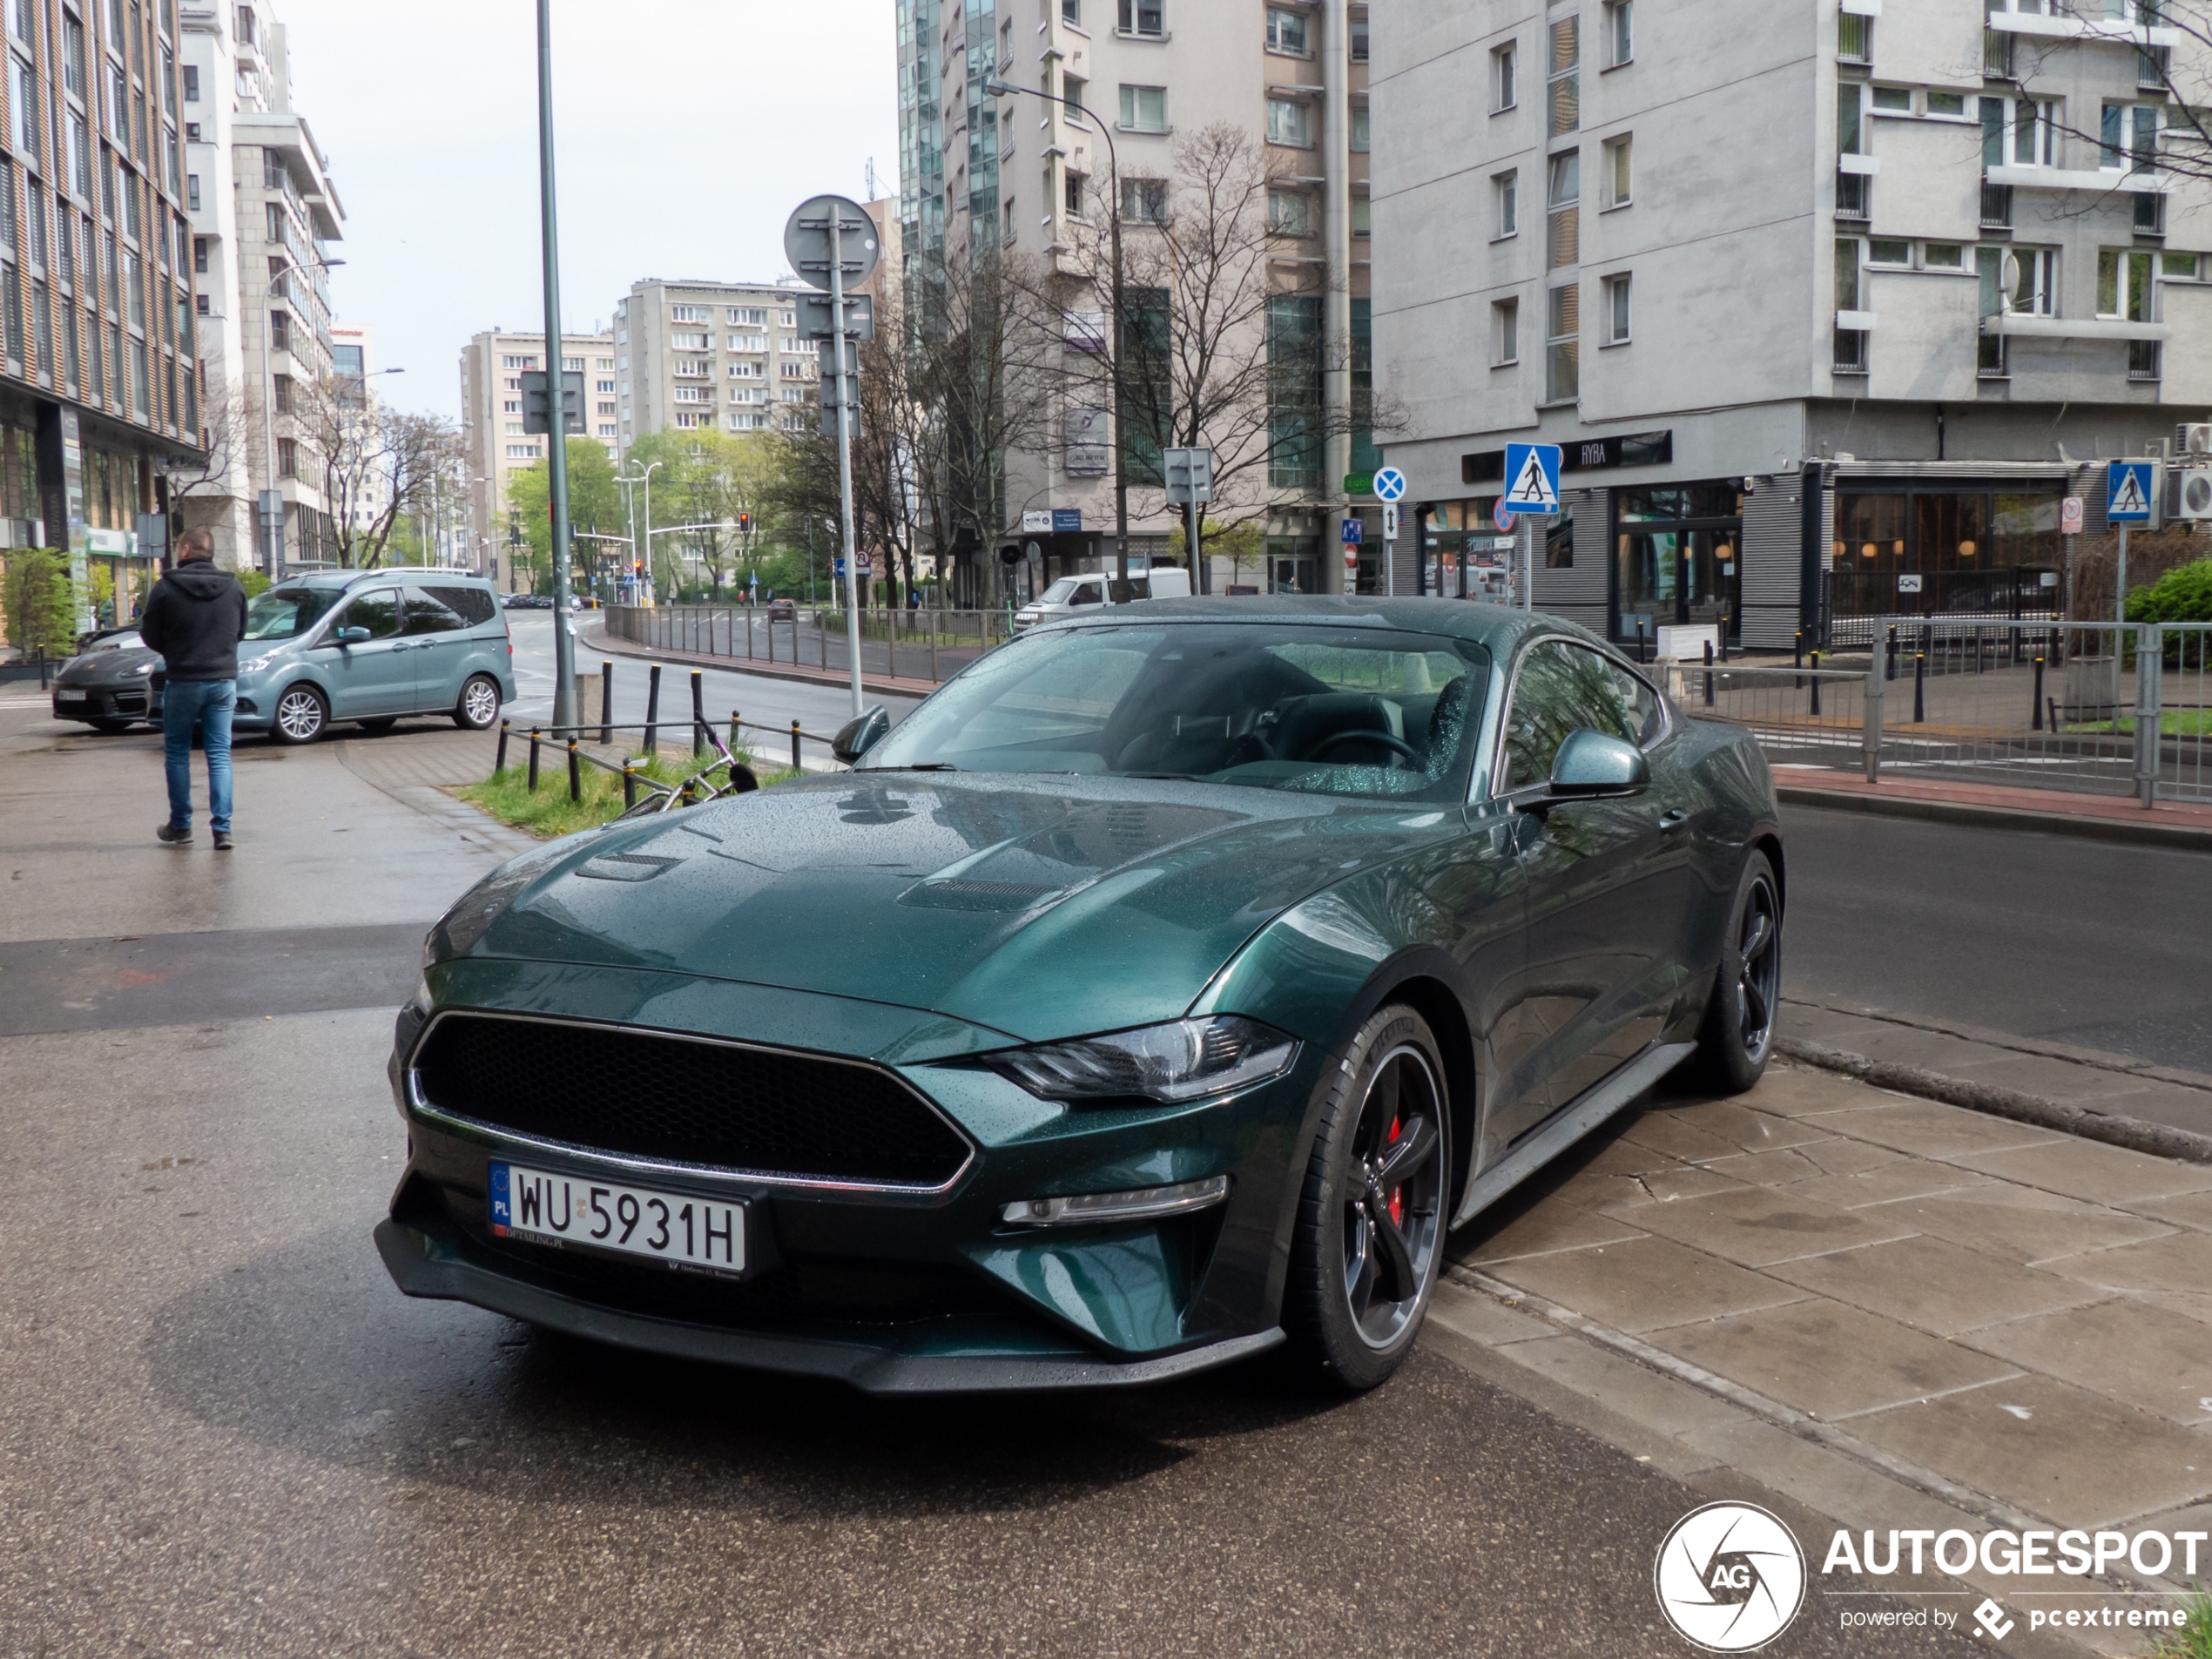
[[1738, 1038], [478, 706], [1371, 1228], [300, 715]]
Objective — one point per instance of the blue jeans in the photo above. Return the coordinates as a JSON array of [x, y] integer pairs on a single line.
[[207, 705]]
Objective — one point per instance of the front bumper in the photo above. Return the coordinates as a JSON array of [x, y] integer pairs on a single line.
[[891, 1291], [107, 703]]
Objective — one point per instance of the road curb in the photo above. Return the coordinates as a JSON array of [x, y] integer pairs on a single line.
[[2182, 836], [2136, 1133]]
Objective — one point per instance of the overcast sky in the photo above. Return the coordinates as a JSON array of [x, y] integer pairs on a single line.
[[688, 130]]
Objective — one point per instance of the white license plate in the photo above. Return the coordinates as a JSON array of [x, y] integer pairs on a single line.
[[675, 1228], [69, 696]]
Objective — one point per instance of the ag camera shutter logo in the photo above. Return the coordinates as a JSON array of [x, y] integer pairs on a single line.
[[1729, 1577]]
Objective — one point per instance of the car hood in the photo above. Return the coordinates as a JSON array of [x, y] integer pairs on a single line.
[[108, 667], [1042, 906]]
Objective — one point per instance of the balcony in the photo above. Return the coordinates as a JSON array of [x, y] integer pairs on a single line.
[[1996, 206], [2027, 326]]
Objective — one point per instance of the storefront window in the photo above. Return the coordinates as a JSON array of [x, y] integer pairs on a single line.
[[1675, 559], [1973, 552]]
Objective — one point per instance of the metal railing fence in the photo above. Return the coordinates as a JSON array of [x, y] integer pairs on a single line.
[[931, 645]]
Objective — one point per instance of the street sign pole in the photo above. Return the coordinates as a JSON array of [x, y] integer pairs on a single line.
[[845, 449], [558, 440]]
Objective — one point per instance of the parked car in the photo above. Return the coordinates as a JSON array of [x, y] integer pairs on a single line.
[[109, 684], [369, 646], [1073, 593], [783, 610], [1162, 990]]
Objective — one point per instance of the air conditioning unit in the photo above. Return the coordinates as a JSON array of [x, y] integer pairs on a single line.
[[2195, 439], [2192, 494]]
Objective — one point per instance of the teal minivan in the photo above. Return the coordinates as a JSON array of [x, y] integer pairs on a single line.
[[369, 646]]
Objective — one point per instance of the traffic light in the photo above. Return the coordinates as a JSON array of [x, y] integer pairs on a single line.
[[638, 567], [744, 523]]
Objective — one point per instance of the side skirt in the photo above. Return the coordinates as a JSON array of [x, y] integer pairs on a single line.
[[1621, 1089]]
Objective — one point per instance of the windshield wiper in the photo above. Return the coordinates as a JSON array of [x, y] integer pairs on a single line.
[[917, 765]]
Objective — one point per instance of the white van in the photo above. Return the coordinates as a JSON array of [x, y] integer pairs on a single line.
[[1099, 588]]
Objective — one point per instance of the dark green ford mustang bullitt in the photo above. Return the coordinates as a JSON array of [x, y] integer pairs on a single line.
[[1162, 990]]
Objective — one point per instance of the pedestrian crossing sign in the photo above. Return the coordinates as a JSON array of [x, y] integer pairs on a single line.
[[1532, 474], [2128, 488]]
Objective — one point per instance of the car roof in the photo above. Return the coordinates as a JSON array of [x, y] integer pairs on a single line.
[[1493, 627], [340, 580]]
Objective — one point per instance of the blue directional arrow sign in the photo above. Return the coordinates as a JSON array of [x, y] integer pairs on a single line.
[[1532, 477], [1390, 484], [2128, 485]]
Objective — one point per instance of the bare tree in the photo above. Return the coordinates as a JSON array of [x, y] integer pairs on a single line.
[[229, 428], [384, 465]]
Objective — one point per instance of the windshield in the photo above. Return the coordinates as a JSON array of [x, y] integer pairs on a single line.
[[1365, 712], [1058, 592], [285, 613]]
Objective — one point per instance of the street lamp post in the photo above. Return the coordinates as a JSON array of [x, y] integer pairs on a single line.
[[643, 562], [1113, 339], [558, 442], [272, 501]]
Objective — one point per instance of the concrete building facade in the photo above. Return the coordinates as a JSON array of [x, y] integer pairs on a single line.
[[493, 445], [98, 404], [979, 172], [721, 356], [264, 215], [1813, 296]]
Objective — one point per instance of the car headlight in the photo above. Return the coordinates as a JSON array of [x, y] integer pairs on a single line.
[[254, 666], [143, 668], [1183, 1060]]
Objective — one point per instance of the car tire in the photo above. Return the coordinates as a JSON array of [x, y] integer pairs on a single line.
[[381, 723], [109, 727], [477, 707], [1373, 1217], [1736, 1039], [300, 715]]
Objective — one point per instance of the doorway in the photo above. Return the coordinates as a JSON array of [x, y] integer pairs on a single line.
[[1677, 558]]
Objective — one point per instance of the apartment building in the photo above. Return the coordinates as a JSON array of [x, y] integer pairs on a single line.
[[96, 326], [264, 215], [492, 441], [717, 356], [1023, 172], [1814, 297]]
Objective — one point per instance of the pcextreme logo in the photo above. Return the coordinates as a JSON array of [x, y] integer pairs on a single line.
[[1729, 1577]]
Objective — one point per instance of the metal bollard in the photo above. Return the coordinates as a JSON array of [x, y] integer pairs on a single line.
[[43, 684], [575, 774], [2035, 703], [533, 760], [652, 710], [933, 620], [1797, 649], [1890, 671], [795, 765], [1709, 673], [698, 712], [890, 645], [1919, 687], [734, 738], [499, 764], [606, 702], [628, 785], [1816, 683]]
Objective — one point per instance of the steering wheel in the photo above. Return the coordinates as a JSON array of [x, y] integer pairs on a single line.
[[1397, 746]]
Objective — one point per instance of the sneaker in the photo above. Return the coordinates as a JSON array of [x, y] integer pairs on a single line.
[[222, 840], [169, 834]]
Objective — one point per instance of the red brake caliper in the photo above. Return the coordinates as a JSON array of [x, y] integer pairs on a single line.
[[1397, 1194]]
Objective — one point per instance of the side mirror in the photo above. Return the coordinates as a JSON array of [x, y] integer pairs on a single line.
[[352, 636], [860, 734], [1592, 766]]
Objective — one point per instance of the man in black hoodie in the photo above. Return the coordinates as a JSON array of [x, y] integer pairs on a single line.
[[194, 617]]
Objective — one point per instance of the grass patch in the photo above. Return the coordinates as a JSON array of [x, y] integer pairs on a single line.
[[2172, 723], [2193, 1639], [549, 813]]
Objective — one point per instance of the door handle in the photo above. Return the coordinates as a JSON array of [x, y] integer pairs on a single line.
[[1672, 820]]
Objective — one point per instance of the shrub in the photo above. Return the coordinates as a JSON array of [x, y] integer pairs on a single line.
[[40, 610], [2184, 595]]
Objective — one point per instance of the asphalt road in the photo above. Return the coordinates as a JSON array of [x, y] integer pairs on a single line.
[[2091, 943]]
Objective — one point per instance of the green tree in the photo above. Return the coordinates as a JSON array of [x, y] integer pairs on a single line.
[[2184, 595], [1239, 543], [593, 499], [40, 610]]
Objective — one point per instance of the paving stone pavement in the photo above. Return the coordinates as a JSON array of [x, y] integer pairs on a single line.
[[2006, 1322]]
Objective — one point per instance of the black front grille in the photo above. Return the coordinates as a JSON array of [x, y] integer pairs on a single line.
[[644, 1095]]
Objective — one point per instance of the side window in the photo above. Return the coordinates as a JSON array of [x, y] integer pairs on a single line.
[[378, 610], [472, 605], [1647, 714], [428, 614], [1561, 688], [1087, 593]]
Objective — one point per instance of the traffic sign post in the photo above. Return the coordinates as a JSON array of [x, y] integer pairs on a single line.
[[1187, 474], [1532, 492], [1390, 484]]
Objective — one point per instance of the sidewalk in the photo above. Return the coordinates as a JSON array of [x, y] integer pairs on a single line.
[[1896, 1313], [2058, 812]]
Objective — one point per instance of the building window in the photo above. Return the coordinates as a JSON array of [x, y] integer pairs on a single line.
[[1359, 41], [1290, 212], [1144, 109], [1620, 33], [1562, 344], [1897, 100], [2142, 360], [1072, 194], [1504, 77], [690, 314], [1144, 201], [192, 190], [1360, 130], [1145, 18], [1563, 86], [1889, 250], [1850, 351], [2130, 137], [280, 330], [200, 304], [1618, 174], [1943, 256], [2150, 214], [1504, 191], [522, 451], [1006, 223], [1562, 194], [1294, 376], [1854, 37], [1287, 32], [1505, 332], [1363, 218], [1290, 121], [280, 385], [1851, 132], [191, 83], [2124, 284], [287, 458], [1072, 89], [1847, 274], [1071, 11], [1616, 310]]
